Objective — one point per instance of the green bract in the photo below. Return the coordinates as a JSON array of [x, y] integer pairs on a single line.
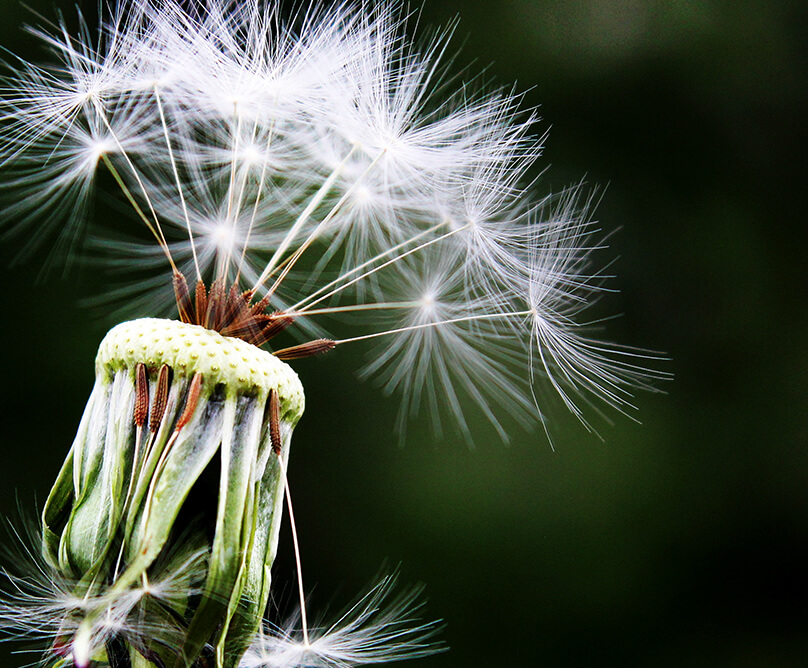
[[120, 507]]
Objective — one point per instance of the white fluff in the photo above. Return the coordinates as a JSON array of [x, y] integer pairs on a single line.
[[331, 161], [377, 628]]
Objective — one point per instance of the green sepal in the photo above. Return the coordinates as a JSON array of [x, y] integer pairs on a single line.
[[256, 575], [93, 523], [56, 511], [190, 453], [240, 440]]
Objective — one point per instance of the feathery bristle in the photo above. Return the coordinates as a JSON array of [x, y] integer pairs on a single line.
[[323, 168]]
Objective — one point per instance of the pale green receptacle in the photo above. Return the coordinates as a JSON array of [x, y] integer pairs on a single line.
[[111, 516]]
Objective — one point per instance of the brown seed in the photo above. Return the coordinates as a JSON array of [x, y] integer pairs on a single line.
[[183, 297], [261, 306], [316, 347], [190, 402], [160, 398], [275, 421], [141, 395], [277, 323], [230, 308], [216, 304], [201, 301]]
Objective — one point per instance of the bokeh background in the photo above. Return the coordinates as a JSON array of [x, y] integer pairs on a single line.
[[682, 541]]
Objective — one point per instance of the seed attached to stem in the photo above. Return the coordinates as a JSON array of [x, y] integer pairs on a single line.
[[160, 398], [310, 349], [275, 422], [141, 396]]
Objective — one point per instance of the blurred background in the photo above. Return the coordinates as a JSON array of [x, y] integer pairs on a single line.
[[681, 541]]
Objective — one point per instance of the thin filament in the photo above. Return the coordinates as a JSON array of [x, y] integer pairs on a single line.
[[161, 238], [177, 179], [302, 218], [365, 264], [412, 328], [398, 258], [258, 196], [373, 306], [231, 204], [303, 617], [129, 196], [316, 232]]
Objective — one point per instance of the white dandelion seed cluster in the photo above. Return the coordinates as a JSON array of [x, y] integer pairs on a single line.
[[378, 628], [43, 603], [326, 160]]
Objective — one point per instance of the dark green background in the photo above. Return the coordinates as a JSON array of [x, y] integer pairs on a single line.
[[679, 542]]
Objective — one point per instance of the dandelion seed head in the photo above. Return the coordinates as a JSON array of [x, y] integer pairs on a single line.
[[317, 160]]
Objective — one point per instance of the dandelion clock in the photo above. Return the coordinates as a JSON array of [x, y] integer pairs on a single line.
[[281, 170]]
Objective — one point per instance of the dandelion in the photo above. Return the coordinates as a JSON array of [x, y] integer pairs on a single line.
[[288, 172]]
